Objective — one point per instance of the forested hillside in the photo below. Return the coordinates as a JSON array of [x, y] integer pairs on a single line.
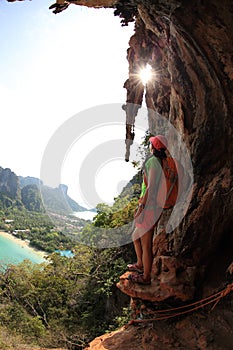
[[70, 301], [38, 213]]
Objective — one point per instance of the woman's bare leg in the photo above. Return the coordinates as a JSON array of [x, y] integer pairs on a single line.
[[138, 251], [137, 246], [147, 255]]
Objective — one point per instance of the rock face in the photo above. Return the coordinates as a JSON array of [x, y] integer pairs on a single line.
[[9, 184], [170, 278], [196, 332], [189, 45], [31, 198]]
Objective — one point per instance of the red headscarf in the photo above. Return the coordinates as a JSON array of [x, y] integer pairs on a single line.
[[158, 142]]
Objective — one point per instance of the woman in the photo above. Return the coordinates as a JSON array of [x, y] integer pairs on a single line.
[[148, 212]]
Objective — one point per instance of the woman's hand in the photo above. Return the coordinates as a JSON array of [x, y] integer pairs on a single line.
[[138, 214]]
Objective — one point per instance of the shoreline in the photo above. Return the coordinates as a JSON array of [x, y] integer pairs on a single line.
[[23, 244]]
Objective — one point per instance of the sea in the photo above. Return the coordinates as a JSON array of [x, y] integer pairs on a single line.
[[86, 215], [13, 252]]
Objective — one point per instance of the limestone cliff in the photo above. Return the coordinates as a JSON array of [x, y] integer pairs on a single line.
[[9, 187], [189, 43]]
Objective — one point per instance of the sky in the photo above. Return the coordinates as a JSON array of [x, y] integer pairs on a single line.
[[53, 67]]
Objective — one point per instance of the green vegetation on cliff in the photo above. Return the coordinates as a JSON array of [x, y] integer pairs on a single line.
[[45, 223], [68, 301], [40, 229]]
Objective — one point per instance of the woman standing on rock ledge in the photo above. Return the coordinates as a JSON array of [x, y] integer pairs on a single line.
[[148, 212]]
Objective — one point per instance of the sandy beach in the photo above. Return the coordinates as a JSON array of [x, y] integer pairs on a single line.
[[23, 243]]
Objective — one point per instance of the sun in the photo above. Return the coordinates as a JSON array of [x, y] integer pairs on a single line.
[[145, 74]]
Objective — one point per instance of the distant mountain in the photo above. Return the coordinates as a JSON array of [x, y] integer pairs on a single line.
[[30, 193], [31, 198], [57, 200], [9, 183], [29, 180], [10, 193]]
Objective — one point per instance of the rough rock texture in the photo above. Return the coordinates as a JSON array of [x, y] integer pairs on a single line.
[[170, 278], [189, 45], [196, 332]]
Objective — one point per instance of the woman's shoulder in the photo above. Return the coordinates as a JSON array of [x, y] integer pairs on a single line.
[[152, 161]]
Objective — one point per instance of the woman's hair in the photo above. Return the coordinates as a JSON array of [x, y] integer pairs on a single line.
[[161, 154]]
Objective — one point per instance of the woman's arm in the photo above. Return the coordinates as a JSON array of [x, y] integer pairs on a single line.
[[151, 189]]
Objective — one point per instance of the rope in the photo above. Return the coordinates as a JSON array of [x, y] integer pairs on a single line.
[[203, 302]]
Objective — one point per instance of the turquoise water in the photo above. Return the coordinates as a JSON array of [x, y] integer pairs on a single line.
[[66, 253], [12, 252]]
